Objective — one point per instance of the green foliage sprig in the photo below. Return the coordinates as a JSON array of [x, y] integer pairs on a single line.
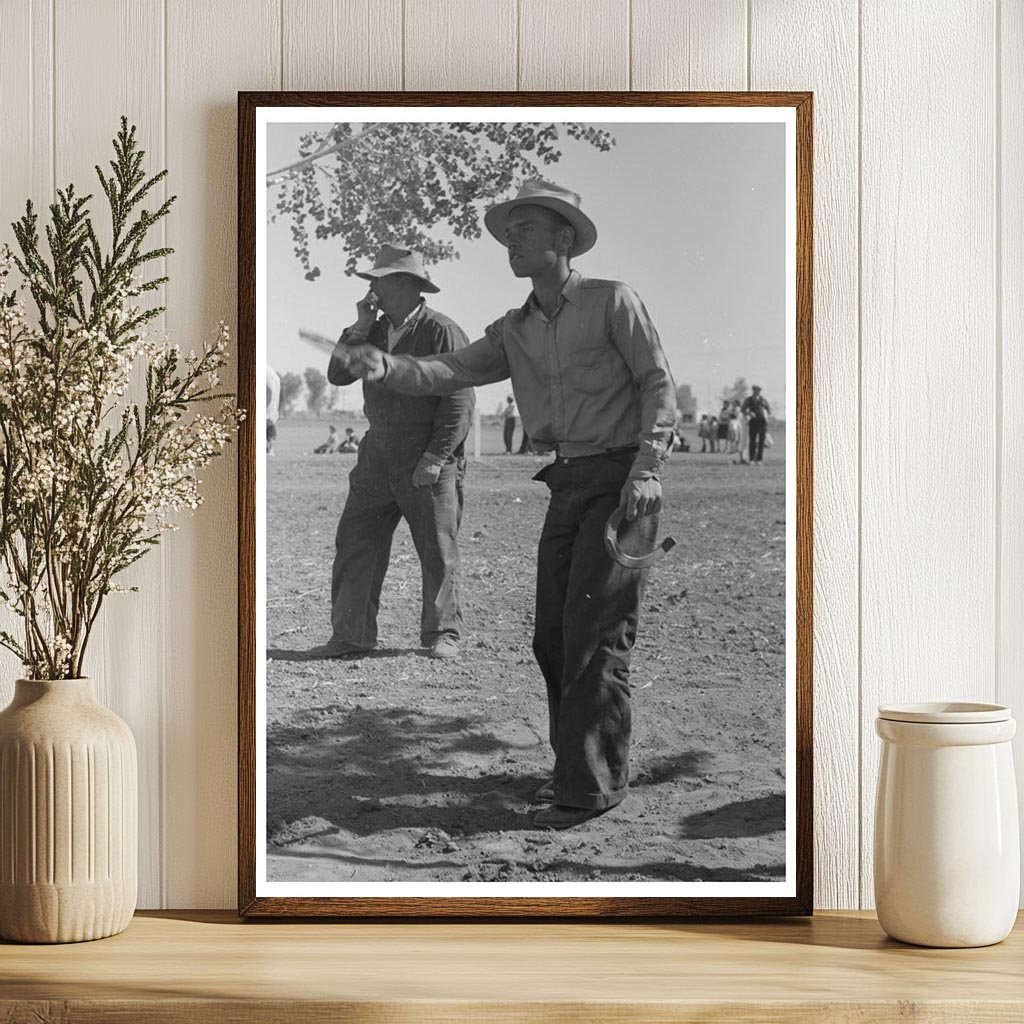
[[89, 478]]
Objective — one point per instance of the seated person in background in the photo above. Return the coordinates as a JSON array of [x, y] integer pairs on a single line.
[[349, 443], [330, 445]]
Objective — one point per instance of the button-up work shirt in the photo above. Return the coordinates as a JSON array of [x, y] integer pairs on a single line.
[[591, 377], [395, 333], [406, 428]]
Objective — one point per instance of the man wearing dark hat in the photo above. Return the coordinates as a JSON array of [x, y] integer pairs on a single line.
[[593, 385], [757, 410], [411, 464]]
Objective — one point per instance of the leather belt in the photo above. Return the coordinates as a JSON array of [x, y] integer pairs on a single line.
[[564, 460]]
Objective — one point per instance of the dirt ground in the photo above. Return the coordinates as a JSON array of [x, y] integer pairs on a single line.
[[397, 767]]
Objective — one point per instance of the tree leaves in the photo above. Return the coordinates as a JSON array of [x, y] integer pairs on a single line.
[[400, 182]]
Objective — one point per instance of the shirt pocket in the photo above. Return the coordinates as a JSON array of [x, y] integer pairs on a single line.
[[590, 369]]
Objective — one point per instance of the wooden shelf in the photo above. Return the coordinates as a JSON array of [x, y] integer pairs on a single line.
[[208, 966]]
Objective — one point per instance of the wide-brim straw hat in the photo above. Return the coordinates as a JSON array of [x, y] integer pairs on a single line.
[[537, 192], [394, 259]]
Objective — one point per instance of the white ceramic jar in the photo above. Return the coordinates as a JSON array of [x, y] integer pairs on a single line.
[[947, 847]]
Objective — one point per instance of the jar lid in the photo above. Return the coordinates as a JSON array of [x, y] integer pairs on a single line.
[[945, 713]]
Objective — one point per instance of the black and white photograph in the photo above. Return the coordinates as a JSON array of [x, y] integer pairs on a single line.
[[525, 588]]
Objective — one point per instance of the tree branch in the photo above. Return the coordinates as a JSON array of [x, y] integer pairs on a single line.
[[322, 152]]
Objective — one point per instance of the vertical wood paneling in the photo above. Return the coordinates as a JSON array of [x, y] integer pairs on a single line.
[[26, 172], [814, 46], [689, 44], [26, 102], [470, 44], [941, 280], [1010, 176], [124, 656], [213, 51], [574, 44], [342, 44], [928, 432]]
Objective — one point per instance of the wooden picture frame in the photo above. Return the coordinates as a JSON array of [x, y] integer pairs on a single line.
[[792, 894]]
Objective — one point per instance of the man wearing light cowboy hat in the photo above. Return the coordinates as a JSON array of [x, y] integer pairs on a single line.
[[593, 385], [411, 464]]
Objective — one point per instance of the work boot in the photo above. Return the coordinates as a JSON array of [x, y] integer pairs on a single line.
[[558, 816], [336, 649], [445, 647], [546, 793]]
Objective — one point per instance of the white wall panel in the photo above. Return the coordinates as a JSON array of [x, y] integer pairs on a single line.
[[342, 44], [26, 172], [213, 51], [574, 44], [1010, 313], [26, 108], [126, 663], [468, 44], [929, 406], [919, 304], [814, 46], [684, 45]]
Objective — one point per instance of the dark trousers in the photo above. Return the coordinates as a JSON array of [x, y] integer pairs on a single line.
[[379, 496], [510, 432], [586, 621], [524, 446], [758, 428]]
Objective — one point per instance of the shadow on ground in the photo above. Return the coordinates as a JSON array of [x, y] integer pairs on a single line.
[[368, 770], [758, 817], [288, 654]]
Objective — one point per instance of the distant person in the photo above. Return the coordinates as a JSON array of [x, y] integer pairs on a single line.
[[525, 445], [741, 432], [273, 407], [704, 433], [330, 445], [349, 443], [508, 415], [713, 433], [411, 465], [722, 434], [735, 430], [757, 411], [679, 442]]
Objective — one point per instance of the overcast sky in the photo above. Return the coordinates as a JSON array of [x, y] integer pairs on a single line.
[[691, 215]]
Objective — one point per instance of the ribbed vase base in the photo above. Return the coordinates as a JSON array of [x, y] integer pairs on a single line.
[[63, 913]]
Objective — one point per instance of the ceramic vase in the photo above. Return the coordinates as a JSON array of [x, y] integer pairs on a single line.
[[947, 848], [68, 815]]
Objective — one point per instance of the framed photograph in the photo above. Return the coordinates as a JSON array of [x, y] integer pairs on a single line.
[[525, 500]]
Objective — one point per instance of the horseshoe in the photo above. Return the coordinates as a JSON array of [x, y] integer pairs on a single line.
[[611, 544]]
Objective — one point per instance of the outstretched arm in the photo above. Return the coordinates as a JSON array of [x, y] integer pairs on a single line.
[[483, 362]]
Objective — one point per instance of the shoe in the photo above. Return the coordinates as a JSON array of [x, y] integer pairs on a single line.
[[558, 816], [332, 649], [446, 648], [546, 793]]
